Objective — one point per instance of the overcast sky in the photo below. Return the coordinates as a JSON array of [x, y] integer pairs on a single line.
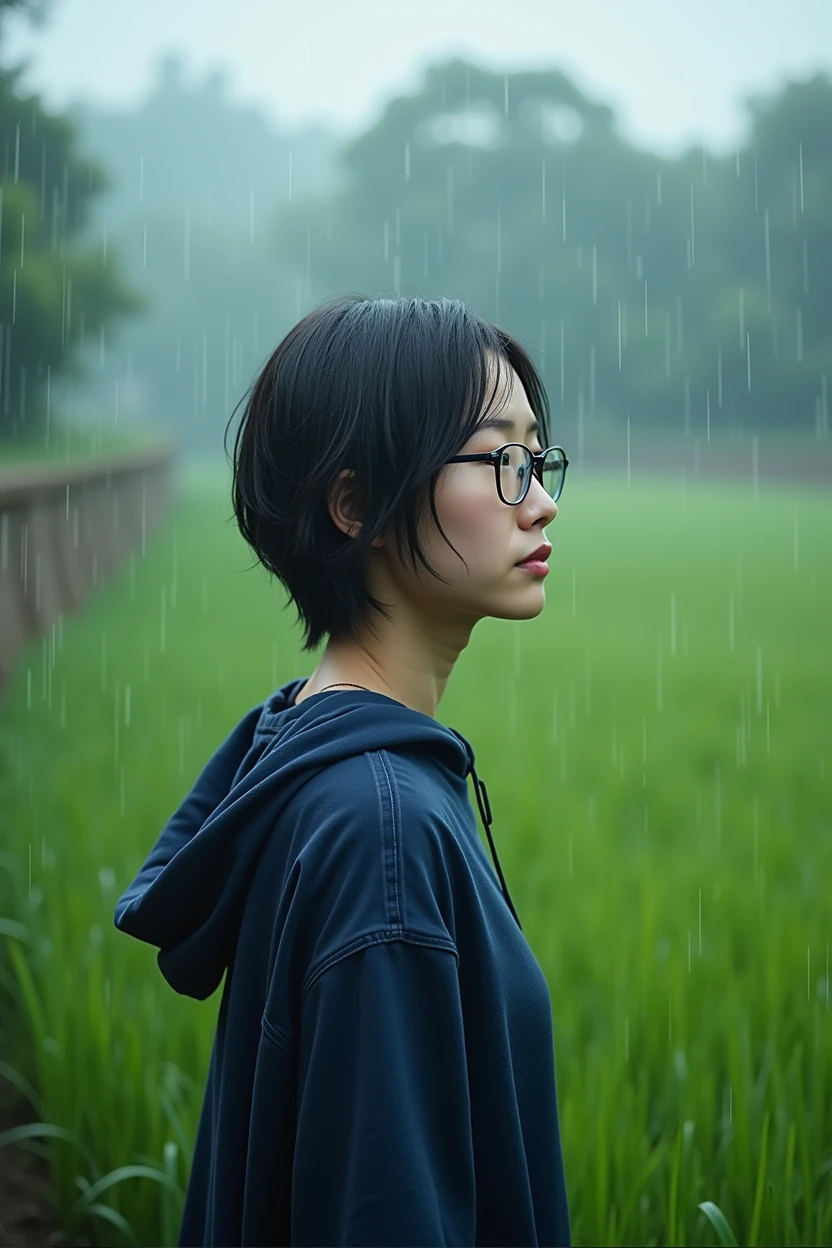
[[675, 70]]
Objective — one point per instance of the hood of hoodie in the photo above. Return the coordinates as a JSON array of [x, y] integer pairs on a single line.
[[217, 834]]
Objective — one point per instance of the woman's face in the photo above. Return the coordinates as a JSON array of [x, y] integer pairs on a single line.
[[491, 536]]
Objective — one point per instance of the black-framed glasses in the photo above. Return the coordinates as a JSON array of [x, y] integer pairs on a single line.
[[513, 467]]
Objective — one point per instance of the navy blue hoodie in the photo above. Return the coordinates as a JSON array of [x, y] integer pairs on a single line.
[[383, 1067]]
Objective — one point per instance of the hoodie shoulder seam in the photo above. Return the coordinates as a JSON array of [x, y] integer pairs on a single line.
[[385, 937], [277, 1035]]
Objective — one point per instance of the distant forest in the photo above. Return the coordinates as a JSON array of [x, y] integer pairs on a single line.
[[151, 260]]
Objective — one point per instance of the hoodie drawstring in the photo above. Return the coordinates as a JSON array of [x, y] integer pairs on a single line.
[[485, 814]]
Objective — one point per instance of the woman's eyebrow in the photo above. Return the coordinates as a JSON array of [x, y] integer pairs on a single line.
[[504, 424]]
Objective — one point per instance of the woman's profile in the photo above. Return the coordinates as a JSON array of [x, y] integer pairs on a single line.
[[383, 1066]]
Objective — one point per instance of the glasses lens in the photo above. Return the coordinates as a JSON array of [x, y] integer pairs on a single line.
[[516, 467], [553, 473]]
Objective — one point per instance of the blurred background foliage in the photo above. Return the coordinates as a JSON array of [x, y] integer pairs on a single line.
[[151, 259]]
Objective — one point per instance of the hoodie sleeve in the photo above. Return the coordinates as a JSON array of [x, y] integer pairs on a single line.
[[383, 1150]]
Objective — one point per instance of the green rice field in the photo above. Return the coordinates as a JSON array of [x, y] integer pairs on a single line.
[[657, 747]]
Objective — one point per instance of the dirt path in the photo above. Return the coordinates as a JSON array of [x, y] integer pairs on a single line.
[[806, 464], [27, 1218]]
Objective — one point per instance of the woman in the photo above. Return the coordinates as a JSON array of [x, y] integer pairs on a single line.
[[383, 1065]]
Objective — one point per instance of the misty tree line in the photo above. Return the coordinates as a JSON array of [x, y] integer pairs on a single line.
[[681, 293]]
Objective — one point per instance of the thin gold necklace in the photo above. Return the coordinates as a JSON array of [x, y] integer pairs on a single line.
[[345, 682]]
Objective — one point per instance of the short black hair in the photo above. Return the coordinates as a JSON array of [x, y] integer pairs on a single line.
[[390, 388]]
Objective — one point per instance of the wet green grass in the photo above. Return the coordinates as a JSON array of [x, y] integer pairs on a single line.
[[656, 746]]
